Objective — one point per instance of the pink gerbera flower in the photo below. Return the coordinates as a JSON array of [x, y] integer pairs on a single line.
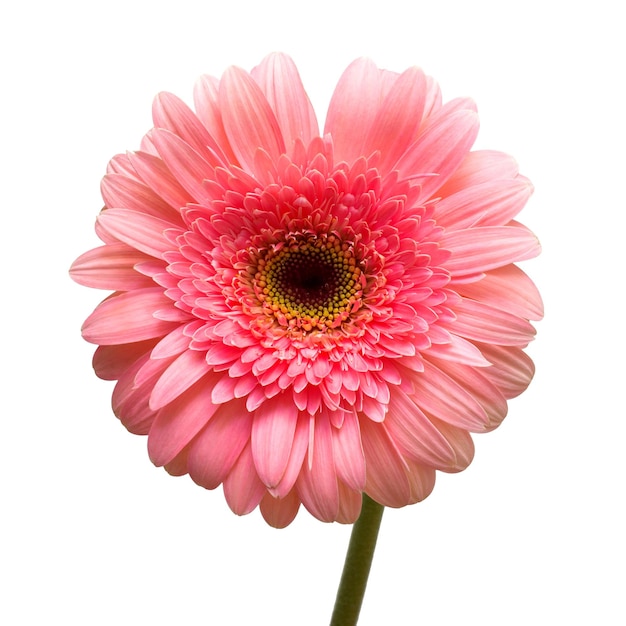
[[304, 317]]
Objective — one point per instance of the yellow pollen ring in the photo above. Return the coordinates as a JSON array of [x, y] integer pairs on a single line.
[[309, 282]]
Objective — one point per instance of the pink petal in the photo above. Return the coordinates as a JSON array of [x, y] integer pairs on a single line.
[[128, 317], [280, 512], [482, 322], [158, 177], [296, 457], [245, 385], [242, 488], [439, 150], [398, 119], [373, 409], [176, 342], [171, 113], [120, 164], [454, 105], [458, 350], [476, 383], [224, 390], [205, 96], [493, 203], [214, 451], [138, 230], [186, 370], [477, 250], [189, 167], [179, 422], [433, 100], [387, 481], [353, 107], [153, 369], [273, 432], [348, 452], [280, 82], [130, 401], [178, 465], [349, 505], [416, 435], [421, 481], [110, 362], [317, 483], [481, 166], [121, 192], [511, 370], [248, 119], [463, 445], [509, 289], [146, 146], [440, 396], [110, 267]]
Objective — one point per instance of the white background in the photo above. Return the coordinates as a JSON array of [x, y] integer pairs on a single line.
[[92, 533]]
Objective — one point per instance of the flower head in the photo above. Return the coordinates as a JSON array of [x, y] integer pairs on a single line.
[[304, 317]]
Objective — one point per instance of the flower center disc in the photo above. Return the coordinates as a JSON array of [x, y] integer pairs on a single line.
[[309, 281]]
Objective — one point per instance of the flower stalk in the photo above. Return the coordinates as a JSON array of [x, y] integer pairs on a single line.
[[357, 565]]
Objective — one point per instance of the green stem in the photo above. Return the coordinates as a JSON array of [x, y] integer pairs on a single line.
[[356, 569]]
